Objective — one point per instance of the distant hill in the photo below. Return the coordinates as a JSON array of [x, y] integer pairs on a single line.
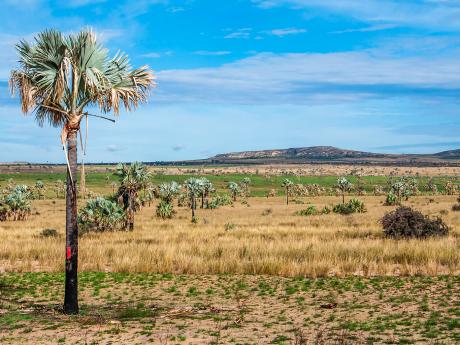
[[451, 154], [330, 154], [313, 152]]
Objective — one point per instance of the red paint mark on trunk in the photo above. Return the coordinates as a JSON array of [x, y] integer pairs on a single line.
[[68, 254]]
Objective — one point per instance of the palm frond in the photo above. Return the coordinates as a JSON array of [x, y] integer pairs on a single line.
[[59, 75]]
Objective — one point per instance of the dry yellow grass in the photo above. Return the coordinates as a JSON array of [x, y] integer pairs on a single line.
[[280, 243]]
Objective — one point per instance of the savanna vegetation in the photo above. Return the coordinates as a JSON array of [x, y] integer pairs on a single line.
[[207, 255]]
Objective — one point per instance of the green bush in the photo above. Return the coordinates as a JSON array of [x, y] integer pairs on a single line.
[[165, 210], [101, 215], [352, 206], [16, 204], [309, 211], [326, 210], [405, 222], [391, 199], [220, 200]]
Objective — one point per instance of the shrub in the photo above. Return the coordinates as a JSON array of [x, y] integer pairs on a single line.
[[357, 206], [309, 211], [326, 210], [4, 212], [101, 215], [49, 233], [165, 210], [16, 204], [456, 207], [229, 226], [391, 199], [220, 200], [405, 222], [352, 206], [267, 211]]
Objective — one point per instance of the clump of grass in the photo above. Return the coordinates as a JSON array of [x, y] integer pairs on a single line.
[[229, 226], [267, 212], [49, 233], [352, 206], [309, 211]]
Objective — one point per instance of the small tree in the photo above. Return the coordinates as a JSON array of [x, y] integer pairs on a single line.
[[133, 178], [344, 186], [59, 187], [234, 189], [401, 189], [206, 190], [39, 189], [245, 186], [194, 189], [287, 184], [167, 191]]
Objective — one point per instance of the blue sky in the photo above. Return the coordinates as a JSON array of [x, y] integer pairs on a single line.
[[379, 75]]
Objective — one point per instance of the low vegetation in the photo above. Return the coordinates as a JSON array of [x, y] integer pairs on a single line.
[[101, 215], [405, 222], [146, 308]]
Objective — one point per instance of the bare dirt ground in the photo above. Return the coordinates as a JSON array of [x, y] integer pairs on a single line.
[[231, 309]]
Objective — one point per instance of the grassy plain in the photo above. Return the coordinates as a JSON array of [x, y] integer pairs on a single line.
[[251, 273]]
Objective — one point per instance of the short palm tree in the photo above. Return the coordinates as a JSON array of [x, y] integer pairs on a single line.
[[207, 188], [345, 186], [133, 178], [287, 184], [234, 189], [59, 76], [194, 189]]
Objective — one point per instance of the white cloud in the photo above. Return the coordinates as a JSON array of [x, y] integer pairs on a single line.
[[285, 32], [430, 14], [80, 3], [176, 9], [240, 33], [105, 35], [367, 29], [212, 53], [152, 55], [313, 77]]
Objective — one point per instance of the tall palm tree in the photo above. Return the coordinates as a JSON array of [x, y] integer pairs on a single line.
[[59, 76]]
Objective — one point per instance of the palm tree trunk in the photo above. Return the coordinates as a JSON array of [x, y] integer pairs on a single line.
[[131, 213], [287, 196], [343, 197], [193, 206], [71, 233]]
